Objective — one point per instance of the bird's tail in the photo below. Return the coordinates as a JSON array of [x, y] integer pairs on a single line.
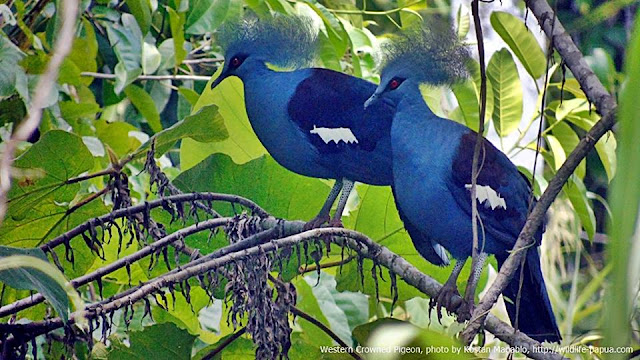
[[535, 315]]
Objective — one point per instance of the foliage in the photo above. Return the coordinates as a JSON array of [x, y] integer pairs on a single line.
[[87, 161]]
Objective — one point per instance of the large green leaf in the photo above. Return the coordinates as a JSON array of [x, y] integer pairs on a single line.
[[625, 193], [206, 15], [39, 199], [28, 269], [145, 105], [343, 310], [281, 192], [507, 92], [242, 144], [160, 341], [204, 126], [521, 41]]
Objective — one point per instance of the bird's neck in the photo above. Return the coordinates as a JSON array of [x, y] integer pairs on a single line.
[[417, 133]]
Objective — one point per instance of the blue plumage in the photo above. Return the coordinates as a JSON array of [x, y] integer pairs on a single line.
[[432, 160], [311, 121]]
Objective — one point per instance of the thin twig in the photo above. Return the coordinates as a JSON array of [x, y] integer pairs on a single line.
[[475, 166], [45, 86], [297, 312], [314, 267], [224, 344], [149, 77], [371, 12]]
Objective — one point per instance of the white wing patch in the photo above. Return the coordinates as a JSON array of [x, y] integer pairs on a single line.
[[335, 134], [442, 253], [489, 197]]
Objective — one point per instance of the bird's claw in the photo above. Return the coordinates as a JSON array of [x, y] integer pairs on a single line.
[[336, 222], [316, 222], [448, 297], [465, 310]]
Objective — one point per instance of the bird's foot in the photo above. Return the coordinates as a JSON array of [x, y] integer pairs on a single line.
[[316, 222], [336, 222], [465, 310], [448, 297]]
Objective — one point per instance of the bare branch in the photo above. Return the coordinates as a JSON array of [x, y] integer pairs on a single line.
[[120, 263], [45, 86], [150, 205], [357, 241], [224, 344], [149, 77]]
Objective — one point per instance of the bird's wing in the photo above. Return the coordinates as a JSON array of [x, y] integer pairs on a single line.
[[502, 192], [328, 107], [428, 249]]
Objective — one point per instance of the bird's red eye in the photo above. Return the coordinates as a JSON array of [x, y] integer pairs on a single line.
[[394, 84], [235, 62]]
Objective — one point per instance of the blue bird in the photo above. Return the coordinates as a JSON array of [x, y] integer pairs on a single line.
[[432, 159], [311, 120]]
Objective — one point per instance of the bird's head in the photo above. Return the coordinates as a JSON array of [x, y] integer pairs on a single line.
[[283, 41], [430, 54]]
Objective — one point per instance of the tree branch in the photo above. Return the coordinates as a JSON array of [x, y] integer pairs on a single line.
[[149, 77], [224, 344], [355, 240], [605, 104], [120, 263], [45, 86], [151, 205]]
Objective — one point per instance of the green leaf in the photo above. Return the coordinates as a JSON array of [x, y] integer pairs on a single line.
[[29, 269], [126, 40], [577, 194], [141, 10], [463, 22], [568, 139], [145, 105], [523, 44], [118, 135], [572, 106], [160, 341], [204, 126], [151, 58], [242, 144], [281, 192], [39, 198], [606, 148], [343, 310], [559, 156], [176, 22], [10, 56], [507, 92], [624, 195], [206, 15]]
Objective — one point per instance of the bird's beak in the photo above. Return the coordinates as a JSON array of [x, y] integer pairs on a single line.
[[218, 81], [223, 75], [371, 100]]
